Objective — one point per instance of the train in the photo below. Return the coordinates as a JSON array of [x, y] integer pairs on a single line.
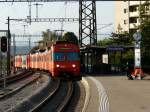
[[61, 60]]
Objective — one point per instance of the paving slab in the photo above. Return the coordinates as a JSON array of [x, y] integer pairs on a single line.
[[93, 105], [126, 95]]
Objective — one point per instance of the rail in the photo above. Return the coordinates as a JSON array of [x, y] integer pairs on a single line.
[[38, 107], [68, 97]]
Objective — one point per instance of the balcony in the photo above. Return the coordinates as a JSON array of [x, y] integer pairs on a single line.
[[135, 3], [134, 14], [132, 3], [133, 25]]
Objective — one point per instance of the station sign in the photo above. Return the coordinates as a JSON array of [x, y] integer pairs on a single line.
[[115, 48], [137, 36], [105, 58]]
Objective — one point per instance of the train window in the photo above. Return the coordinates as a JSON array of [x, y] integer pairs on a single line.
[[59, 56], [24, 60], [43, 59], [34, 59], [73, 56]]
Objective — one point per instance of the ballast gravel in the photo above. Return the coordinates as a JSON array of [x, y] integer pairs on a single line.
[[78, 100], [10, 102]]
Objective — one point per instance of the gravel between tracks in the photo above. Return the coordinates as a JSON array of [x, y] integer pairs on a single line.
[[19, 97], [77, 102], [51, 106]]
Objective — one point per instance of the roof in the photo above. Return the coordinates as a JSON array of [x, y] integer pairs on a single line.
[[105, 48]]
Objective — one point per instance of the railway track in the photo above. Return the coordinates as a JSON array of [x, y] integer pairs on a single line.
[[22, 90], [55, 96], [55, 101], [11, 79], [68, 97]]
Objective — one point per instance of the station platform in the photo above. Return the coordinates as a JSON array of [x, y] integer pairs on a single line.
[[126, 95]]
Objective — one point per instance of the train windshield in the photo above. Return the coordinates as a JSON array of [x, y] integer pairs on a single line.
[[73, 56], [59, 57], [66, 56]]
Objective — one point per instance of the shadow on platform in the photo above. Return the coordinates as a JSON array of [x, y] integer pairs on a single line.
[[104, 74]]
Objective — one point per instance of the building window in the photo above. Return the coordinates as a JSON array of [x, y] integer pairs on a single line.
[[133, 8], [133, 20], [125, 21], [125, 10]]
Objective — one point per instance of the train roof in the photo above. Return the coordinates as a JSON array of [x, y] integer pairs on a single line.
[[65, 42], [41, 49]]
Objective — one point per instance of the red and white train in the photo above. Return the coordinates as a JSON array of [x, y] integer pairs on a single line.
[[61, 60]]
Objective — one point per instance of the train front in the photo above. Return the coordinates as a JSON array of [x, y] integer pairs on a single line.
[[66, 61]]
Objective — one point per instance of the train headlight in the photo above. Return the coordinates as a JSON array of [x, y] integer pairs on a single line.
[[73, 65], [57, 66]]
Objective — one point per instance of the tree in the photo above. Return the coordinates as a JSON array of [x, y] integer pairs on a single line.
[[122, 38], [105, 42], [70, 37], [144, 26], [144, 12]]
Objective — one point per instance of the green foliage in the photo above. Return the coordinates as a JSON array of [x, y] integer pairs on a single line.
[[145, 23], [122, 38], [129, 55], [145, 31], [144, 10], [3, 62], [104, 42], [145, 43], [70, 37], [52, 36]]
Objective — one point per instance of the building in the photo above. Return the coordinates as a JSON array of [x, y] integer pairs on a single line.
[[127, 15]]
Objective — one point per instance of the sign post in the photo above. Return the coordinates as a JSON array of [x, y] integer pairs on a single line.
[[137, 73]]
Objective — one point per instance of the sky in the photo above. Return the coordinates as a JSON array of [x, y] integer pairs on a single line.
[[105, 15]]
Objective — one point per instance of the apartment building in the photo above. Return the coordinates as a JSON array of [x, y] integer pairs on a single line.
[[127, 15]]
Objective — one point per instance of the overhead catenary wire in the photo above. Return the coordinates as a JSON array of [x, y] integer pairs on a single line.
[[105, 26]]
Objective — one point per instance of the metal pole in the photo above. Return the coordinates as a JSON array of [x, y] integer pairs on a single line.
[[8, 52], [1, 60], [4, 79], [14, 45], [29, 43], [30, 13], [90, 22], [80, 23], [24, 29], [36, 10]]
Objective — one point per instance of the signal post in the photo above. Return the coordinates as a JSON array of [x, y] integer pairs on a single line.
[[4, 54]]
